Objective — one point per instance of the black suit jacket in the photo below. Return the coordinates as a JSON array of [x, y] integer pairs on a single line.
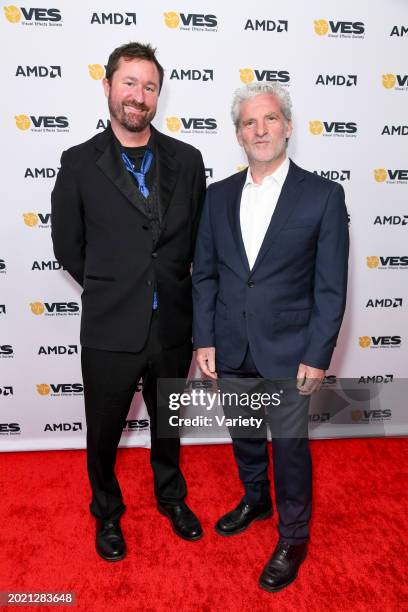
[[102, 237]]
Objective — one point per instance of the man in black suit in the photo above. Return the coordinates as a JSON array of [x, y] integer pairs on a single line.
[[125, 209], [269, 292]]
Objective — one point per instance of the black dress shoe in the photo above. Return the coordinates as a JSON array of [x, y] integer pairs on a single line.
[[110, 544], [282, 568], [241, 517], [184, 522]]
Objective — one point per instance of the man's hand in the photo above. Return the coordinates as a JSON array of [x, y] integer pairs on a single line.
[[206, 360], [309, 379]]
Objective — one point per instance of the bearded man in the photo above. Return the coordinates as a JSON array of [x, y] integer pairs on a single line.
[[125, 209]]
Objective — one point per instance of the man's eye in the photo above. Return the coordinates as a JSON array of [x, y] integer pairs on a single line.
[[271, 118], [129, 83]]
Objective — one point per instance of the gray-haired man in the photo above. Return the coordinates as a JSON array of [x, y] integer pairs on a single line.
[[269, 288]]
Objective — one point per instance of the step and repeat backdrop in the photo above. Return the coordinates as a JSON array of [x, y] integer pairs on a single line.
[[345, 65]]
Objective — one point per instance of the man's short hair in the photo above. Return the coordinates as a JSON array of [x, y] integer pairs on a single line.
[[255, 89], [130, 51]]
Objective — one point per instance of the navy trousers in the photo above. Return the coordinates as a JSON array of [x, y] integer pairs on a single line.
[[292, 466]]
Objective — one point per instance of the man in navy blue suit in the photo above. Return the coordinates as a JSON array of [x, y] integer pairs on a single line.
[[269, 289]]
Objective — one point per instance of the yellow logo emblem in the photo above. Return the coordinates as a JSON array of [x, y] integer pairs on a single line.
[[13, 14], [356, 415], [364, 341], [316, 127], [43, 389], [388, 81], [380, 175], [173, 124], [37, 308], [171, 19], [23, 122], [96, 71], [373, 261], [30, 219], [246, 75], [321, 27]]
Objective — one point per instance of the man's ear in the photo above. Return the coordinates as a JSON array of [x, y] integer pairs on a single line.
[[106, 86], [239, 137], [289, 129]]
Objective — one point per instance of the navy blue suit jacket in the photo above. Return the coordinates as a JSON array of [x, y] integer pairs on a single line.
[[290, 306]]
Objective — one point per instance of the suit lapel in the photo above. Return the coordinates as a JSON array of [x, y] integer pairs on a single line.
[[167, 171], [110, 162], [167, 168], [234, 217], [287, 201]]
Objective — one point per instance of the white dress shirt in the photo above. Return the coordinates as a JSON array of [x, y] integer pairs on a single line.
[[258, 203]]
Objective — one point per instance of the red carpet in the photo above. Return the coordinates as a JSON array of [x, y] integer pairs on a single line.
[[358, 554]]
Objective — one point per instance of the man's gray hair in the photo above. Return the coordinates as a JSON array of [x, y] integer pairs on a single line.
[[255, 89]]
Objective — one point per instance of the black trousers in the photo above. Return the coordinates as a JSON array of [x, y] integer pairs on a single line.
[[110, 381], [292, 466]]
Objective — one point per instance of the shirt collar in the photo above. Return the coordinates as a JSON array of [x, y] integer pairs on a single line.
[[151, 143], [277, 177]]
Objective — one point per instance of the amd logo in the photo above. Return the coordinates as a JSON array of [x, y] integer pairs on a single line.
[[63, 426], [70, 349]]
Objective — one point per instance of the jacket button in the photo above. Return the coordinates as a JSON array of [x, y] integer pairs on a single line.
[[244, 314], [145, 227], [154, 255], [251, 284], [149, 283]]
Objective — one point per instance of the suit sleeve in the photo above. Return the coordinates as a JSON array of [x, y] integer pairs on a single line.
[[330, 282], [199, 189], [67, 222], [205, 281]]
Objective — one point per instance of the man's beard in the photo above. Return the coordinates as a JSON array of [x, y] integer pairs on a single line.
[[134, 122]]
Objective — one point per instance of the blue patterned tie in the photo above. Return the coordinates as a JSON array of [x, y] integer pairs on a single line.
[[140, 177], [144, 169], [155, 304]]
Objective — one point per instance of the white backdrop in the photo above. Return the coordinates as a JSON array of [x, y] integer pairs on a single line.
[[345, 64]]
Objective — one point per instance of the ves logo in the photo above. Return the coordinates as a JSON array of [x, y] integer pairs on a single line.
[[55, 308], [42, 220], [398, 82], [333, 128], [192, 125], [247, 75], [96, 71], [32, 16], [42, 123], [381, 175], [191, 21], [339, 29]]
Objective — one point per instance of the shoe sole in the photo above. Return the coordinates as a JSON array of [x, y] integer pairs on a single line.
[[193, 539], [111, 559], [270, 589], [261, 517]]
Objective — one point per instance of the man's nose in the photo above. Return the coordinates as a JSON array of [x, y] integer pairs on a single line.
[[139, 93], [260, 128]]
